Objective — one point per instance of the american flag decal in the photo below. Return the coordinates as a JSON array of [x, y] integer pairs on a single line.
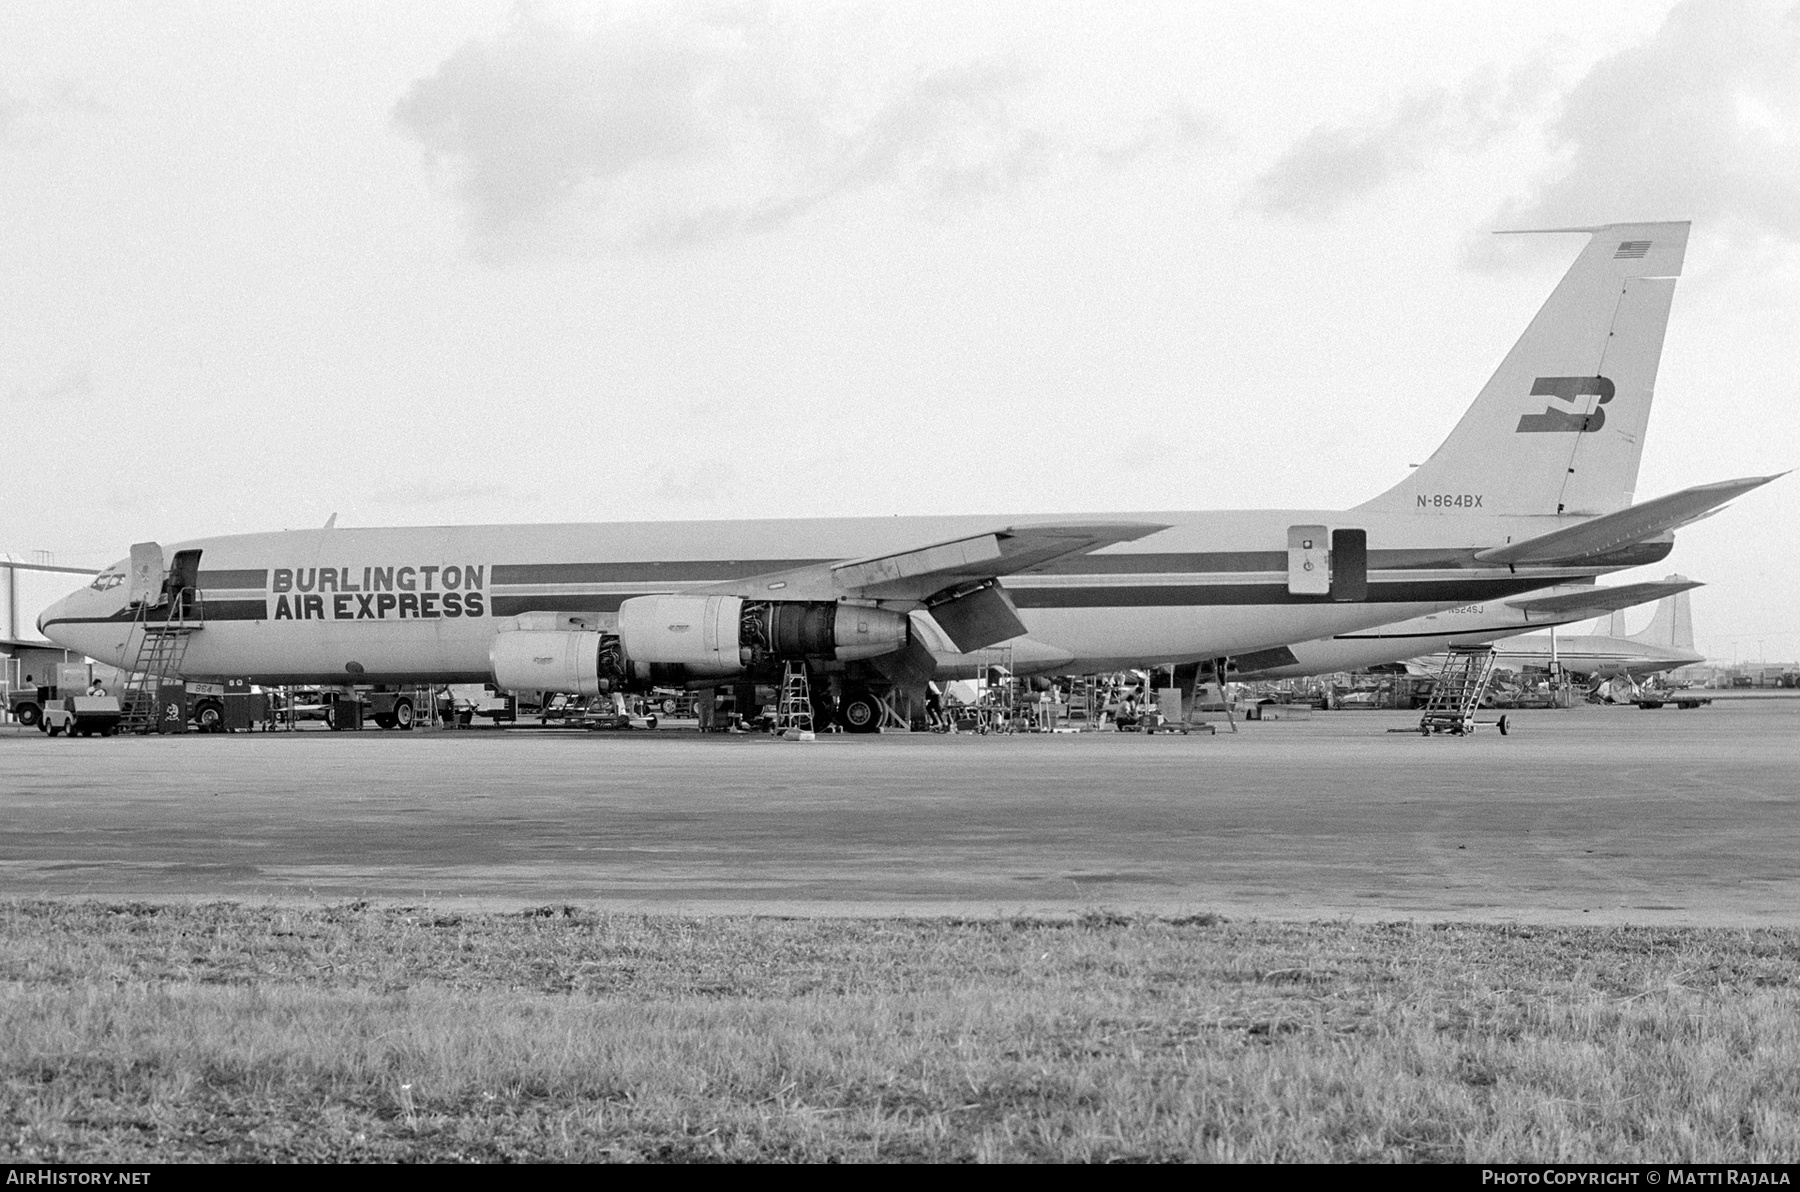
[[1632, 250]]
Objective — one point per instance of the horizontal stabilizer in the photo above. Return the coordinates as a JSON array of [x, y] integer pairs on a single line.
[[1578, 606], [1634, 524]]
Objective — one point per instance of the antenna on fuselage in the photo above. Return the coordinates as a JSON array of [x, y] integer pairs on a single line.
[[331, 521]]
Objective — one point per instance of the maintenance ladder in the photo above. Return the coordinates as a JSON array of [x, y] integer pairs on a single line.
[[794, 714], [1460, 688], [165, 627]]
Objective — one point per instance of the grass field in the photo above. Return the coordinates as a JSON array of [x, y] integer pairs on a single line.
[[143, 1033]]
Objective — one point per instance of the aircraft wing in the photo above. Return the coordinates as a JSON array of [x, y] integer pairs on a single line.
[[1579, 606], [954, 579], [926, 571], [1636, 523]]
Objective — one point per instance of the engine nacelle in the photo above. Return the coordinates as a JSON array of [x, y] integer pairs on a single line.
[[683, 639], [539, 660], [699, 634], [680, 638]]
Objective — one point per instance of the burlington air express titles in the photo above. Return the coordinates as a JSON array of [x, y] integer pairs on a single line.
[[378, 593]]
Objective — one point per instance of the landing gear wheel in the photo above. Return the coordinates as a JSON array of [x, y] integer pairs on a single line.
[[861, 712], [403, 715], [384, 722], [210, 717], [1503, 726]]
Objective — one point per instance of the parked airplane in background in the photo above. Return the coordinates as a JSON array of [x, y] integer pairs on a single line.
[[1533, 488], [1666, 644], [1465, 625]]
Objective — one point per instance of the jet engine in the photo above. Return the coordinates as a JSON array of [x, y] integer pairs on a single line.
[[538, 660], [675, 640]]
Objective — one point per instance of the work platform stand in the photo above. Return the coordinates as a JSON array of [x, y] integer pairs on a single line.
[[165, 626], [1461, 686], [1085, 694], [1220, 702]]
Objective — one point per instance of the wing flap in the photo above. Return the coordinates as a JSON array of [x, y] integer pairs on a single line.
[[977, 619]]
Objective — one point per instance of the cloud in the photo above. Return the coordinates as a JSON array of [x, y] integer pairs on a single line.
[[12, 110], [1177, 129], [27, 115], [427, 491], [1701, 121], [702, 482], [1334, 165], [74, 387], [692, 125]]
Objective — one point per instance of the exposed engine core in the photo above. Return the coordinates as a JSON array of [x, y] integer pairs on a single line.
[[780, 630], [677, 640]]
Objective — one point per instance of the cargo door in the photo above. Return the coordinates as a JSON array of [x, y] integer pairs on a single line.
[[184, 579], [1349, 564], [146, 572], [1309, 561], [184, 570]]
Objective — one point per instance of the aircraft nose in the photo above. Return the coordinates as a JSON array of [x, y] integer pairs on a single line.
[[51, 615]]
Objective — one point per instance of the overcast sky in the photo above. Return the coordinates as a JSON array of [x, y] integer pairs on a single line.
[[441, 262]]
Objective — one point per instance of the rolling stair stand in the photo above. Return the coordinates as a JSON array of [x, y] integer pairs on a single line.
[[1460, 688], [165, 626]]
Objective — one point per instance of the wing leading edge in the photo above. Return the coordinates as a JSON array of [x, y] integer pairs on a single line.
[[956, 579]]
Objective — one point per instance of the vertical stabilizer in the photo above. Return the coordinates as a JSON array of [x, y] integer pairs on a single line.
[[1673, 624], [1615, 624], [1560, 426]]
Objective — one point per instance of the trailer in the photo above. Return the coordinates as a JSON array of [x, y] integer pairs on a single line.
[[1679, 699]]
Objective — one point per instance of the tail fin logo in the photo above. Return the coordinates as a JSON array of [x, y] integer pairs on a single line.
[[1553, 420]]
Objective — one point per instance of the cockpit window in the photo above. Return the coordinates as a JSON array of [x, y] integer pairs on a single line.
[[107, 580]]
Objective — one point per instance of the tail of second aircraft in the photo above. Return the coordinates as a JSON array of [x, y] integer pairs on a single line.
[[1672, 626], [1559, 429]]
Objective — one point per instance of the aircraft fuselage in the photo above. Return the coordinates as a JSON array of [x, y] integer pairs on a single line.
[[424, 604]]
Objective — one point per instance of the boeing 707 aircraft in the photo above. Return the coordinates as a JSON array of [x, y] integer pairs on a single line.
[[1533, 488]]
